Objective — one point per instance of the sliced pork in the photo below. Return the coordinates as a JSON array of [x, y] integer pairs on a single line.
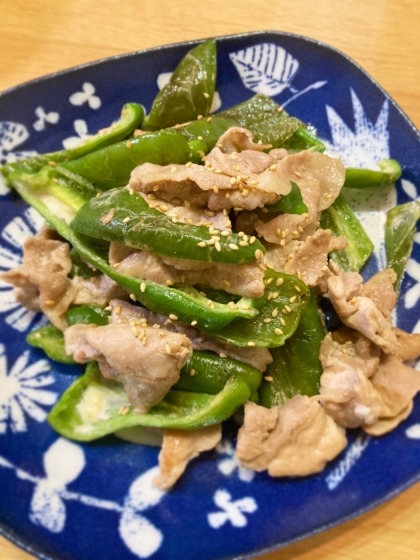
[[179, 448], [296, 439], [147, 361]]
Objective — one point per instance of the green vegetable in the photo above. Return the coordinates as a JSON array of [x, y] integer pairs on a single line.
[[296, 369], [283, 292], [137, 225], [93, 407], [340, 219], [131, 117], [303, 139], [205, 372], [390, 171], [51, 340], [265, 119], [111, 166], [210, 130], [184, 301], [189, 92], [87, 314], [400, 228], [291, 203]]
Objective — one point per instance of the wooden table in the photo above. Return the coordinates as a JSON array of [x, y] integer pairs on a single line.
[[40, 37]]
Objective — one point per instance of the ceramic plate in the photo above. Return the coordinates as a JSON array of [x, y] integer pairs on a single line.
[[66, 501]]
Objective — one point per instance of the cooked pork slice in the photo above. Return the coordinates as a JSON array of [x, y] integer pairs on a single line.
[[397, 385], [42, 281], [97, 290], [179, 448], [296, 439], [247, 199], [245, 280], [380, 289], [146, 363], [135, 315], [362, 387], [309, 258], [118, 252], [237, 139], [278, 153], [360, 312], [409, 344], [348, 394]]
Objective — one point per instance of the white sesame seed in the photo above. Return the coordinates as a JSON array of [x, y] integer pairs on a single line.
[[243, 243], [188, 164], [206, 95], [218, 171], [133, 297], [233, 247], [273, 167], [258, 254], [268, 320], [297, 174], [226, 283], [269, 378], [329, 196], [282, 321], [128, 144], [251, 343], [168, 349], [173, 170], [209, 119], [199, 137], [278, 331], [201, 244], [193, 323], [275, 312], [279, 281], [173, 317], [218, 246], [50, 302], [126, 220], [292, 299], [199, 117], [143, 287], [252, 240], [118, 310], [216, 188]]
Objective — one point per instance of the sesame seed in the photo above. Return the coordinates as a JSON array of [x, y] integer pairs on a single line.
[[268, 378], [278, 331], [300, 228], [245, 192], [287, 308], [169, 282], [168, 349], [273, 167], [329, 196], [218, 171], [268, 281], [233, 247], [223, 355], [245, 177], [162, 334], [295, 233], [133, 297], [193, 323], [218, 246], [254, 182], [283, 242], [201, 244], [50, 302], [267, 320], [187, 204], [128, 144], [252, 240], [324, 268], [211, 241], [279, 281], [226, 283], [209, 119], [192, 372], [297, 288], [164, 208], [298, 174], [134, 331], [189, 222], [251, 343], [199, 117], [280, 109], [199, 137], [274, 295], [216, 188], [108, 308], [126, 220], [278, 232], [209, 302], [258, 254], [118, 310], [342, 259], [225, 233], [52, 164], [130, 190], [227, 195], [243, 243], [143, 287], [173, 170], [275, 312], [233, 181], [206, 95], [244, 306], [173, 317], [124, 410], [282, 321], [353, 300], [210, 214], [188, 164], [292, 299]]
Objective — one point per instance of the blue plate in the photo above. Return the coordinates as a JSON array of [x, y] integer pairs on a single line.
[[65, 501]]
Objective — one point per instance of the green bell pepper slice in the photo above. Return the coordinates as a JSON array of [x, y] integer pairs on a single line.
[[88, 314], [51, 340], [285, 296], [296, 368], [189, 92], [137, 225], [400, 228], [341, 220], [291, 203], [206, 372], [93, 407], [390, 171], [131, 117]]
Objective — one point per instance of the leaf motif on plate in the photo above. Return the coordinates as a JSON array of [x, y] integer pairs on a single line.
[[266, 68]]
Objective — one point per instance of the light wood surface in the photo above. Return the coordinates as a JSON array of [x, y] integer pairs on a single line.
[[383, 36]]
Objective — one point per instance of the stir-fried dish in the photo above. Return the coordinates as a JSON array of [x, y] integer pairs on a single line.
[[194, 263]]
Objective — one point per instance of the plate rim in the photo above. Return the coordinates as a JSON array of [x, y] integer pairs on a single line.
[[24, 544]]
